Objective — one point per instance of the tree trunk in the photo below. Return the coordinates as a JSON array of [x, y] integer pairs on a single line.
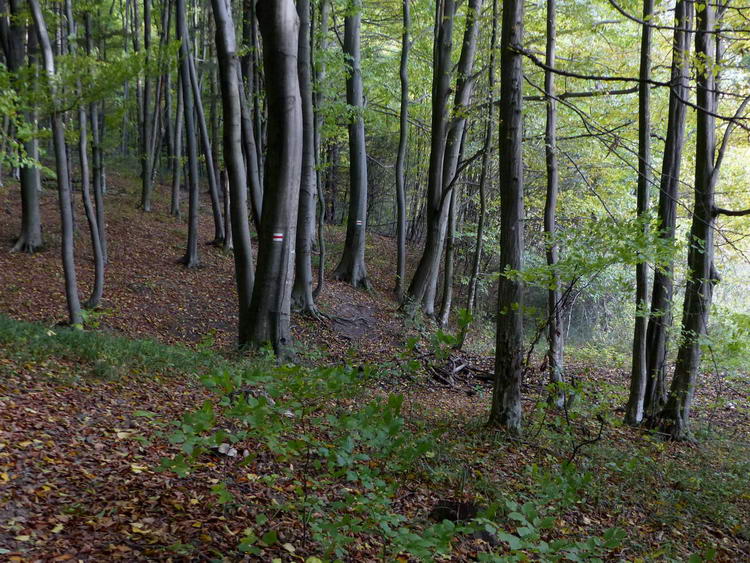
[[231, 91], [302, 291], [441, 81], [271, 298], [445, 308], [320, 72], [88, 206], [213, 188], [634, 407], [146, 130], [190, 259], [403, 145], [441, 180], [63, 176], [486, 155], [554, 303], [674, 418], [506, 396], [661, 299], [352, 267], [11, 37], [174, 208]]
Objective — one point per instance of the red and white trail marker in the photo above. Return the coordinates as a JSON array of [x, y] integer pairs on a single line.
[[278, 237], [359, 222]]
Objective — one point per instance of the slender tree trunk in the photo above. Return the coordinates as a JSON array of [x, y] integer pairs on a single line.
[[146, 131], [98, 287], [63, 176], [213, 188], [661, 299], [174, 209], [445, 308], [231, 92], [506, 396], [486, 155], [634, 407], [351, 268], [190, 259], [554, 303], [96, 152], [302, 291], [403, 145], [271, 298], [674, 418], [320, 73], [441, 82]]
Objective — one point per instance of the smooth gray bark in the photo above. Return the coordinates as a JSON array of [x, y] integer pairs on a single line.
[[63, 177], [675, 417], [638, 374], [320, 73], [486, 155], [661, 298], [190, 259], [352, 268], [403, 145], [441, 82], [271, 300], [506, 396], [174, 208], [554, 302], [236, 194], [146, 129], [213, 188], [302, 291]]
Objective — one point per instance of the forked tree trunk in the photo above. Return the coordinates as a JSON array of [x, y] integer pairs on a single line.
[[302, 291], [674, 419], [634, 407], [506, 395], [661, 299], [271, 299], [441, 82], [351, 268], [63, 176], [88, 206]]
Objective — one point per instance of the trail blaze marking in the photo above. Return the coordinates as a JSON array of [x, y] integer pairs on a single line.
[[278, 237]]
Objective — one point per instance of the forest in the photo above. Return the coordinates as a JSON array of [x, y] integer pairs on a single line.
[[374, 280]]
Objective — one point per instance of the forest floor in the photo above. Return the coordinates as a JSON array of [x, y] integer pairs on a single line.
[[83, 415]]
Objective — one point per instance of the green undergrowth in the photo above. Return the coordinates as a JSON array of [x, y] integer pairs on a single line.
[[342, 458]]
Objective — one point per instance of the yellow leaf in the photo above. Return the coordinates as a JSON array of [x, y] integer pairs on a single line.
[[4, 477], [137, 468], [289, 547], [57, 529], [23, 538]]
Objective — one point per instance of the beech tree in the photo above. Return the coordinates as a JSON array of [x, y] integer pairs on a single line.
[[12, 40], [506, 396], [351, 268], [67, 248], [271, 299]]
